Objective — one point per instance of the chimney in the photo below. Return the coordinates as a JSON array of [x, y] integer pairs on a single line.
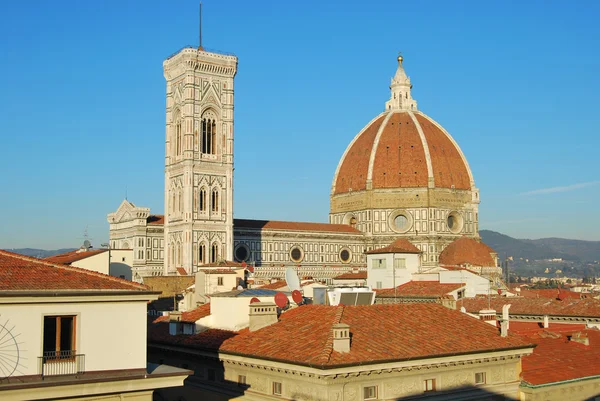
[[505, 309], [580, 338], [488, 316], [341, 337], [262, 314], [546, 322], [503, 328], [448, 301], [175, 326]]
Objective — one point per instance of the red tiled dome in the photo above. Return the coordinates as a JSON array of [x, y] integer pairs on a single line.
[[469, 251], [402, 149]]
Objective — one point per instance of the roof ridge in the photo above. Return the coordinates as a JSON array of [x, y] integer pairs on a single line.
[[328, 348], [73, 268]]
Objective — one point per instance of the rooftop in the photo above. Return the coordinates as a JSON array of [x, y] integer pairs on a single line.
[[23, 273], [536, 306], [73, 256], [255, 292], [155, 219], [293, 226], [432, 289], [467, 251], [190, 316], [399, 246], [361, 275], [380, 333]]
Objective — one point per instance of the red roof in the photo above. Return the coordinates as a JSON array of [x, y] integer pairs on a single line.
[[394, 150], [549, 293], [536, 306], [209, 340], [380, 333], [399, 246], [73, 256], [467, 251], [361, 275], [223, 263], [23, 273], [294, 226], [556, 359], [274, 285], [190, 316], [155, 219], [182, 271], [218, 271], [419, 289]]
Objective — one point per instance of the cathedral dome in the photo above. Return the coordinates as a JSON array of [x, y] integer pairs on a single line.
[[402, 149]]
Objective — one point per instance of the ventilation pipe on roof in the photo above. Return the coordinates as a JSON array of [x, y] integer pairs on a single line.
[[546, 322], [580, 338], [262, 314], [504, 321], [341, 337]]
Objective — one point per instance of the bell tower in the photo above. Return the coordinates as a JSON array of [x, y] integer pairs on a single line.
[[198, 158]]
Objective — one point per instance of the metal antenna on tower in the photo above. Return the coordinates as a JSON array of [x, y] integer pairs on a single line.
[[200, 27]]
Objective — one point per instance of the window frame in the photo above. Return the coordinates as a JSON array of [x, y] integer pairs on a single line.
[[277, 388], [426, 383], [241, 380], [372, 396], [59, 353], [483, 381]]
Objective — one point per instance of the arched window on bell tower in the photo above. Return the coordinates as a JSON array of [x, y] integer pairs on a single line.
[[209, 133], [202, 200], [215, 200], [214, 253], [201, 253], [178, 135]]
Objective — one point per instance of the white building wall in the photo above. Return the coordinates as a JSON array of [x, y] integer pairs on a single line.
[[384, 277], [475, 285], [111, 335]]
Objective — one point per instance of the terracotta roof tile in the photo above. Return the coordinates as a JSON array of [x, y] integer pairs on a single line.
[[401, 245], [182, 271], [219, 271], [169, 285], [536, 306], [274, 285], [467, 251], [73, 256], [362, 275], [555, 293], [419, 289], [222, 264], [209, 340], [294, 226], [556, 359], [23, 273], [399, 159], [379, 333], [190, 316]]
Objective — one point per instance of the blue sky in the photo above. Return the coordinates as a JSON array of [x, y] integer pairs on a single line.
[[82, 104]]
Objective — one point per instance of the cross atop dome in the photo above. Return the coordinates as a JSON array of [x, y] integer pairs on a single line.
[[400, 87]]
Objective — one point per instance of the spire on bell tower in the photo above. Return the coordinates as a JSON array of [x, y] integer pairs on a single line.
[[400, 87]]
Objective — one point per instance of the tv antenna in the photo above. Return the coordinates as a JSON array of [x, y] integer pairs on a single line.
[[200, 28]]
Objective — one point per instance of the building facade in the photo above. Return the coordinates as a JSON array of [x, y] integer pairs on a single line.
[[402, 176]]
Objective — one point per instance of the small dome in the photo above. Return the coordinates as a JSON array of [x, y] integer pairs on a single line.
[[468, 251], [402, 149]]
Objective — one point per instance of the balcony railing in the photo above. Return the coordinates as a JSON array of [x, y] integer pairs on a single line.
[[55, 363]]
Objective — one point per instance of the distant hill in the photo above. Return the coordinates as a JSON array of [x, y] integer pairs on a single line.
[[39, 253], [545, 248]]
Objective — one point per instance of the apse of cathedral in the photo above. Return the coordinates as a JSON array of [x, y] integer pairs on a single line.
[[401, 176]]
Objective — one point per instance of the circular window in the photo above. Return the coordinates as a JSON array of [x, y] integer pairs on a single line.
[[242, 253], [345, 255], [454, 222], [296, 254], [400, 221]]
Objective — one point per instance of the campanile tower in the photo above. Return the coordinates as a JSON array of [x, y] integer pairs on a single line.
[[198, 158]]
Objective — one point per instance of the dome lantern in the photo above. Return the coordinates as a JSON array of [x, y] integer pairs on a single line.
[[401, 98]]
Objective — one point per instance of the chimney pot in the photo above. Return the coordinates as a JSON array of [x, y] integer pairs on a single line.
[[546, 322], [504, 328], [341, 337], [262, 314]]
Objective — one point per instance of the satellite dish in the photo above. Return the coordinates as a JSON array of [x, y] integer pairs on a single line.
[[244, 264], [297, 296], [239, 287], [87, 244], [254, 300], [292, 280], [281, 300]]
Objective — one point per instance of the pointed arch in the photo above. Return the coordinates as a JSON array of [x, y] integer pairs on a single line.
[[202, 253], [214, 252], [202, 199], [208, 127], [214, 200], [178, 134]]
